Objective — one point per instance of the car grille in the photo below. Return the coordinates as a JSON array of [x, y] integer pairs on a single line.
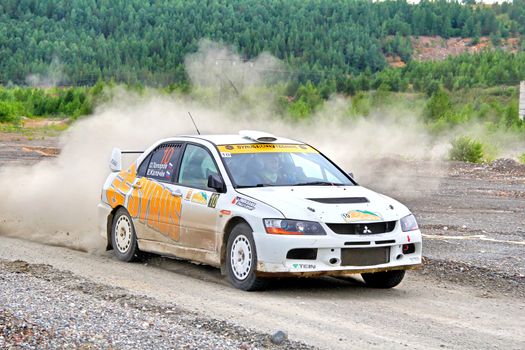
[[365, 256], [349, 200], [369, 228]]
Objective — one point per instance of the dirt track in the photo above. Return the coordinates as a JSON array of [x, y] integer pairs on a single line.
[[469, 295]]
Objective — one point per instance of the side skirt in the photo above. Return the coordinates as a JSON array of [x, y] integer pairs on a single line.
[[171, 250]]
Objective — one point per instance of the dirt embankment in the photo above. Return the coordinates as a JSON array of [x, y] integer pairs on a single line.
[[436, 48]]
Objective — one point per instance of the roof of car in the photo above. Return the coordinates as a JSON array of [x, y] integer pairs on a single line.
[[234, 139]]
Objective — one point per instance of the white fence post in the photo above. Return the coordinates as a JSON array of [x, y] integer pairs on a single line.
[[522, 100]]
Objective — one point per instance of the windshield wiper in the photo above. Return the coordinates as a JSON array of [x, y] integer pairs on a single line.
[[318, 183], [249, 186]]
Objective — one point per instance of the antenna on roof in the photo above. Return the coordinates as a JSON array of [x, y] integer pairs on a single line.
[[196, 128]]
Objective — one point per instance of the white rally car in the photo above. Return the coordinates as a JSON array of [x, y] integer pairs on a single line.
[[257, 206]]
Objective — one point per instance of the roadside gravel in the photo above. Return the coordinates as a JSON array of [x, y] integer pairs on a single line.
[[45, 308]]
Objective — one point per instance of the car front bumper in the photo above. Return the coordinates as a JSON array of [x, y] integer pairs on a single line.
[[337, 254]]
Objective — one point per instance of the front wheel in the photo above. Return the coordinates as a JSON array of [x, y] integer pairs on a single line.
[[387, 279], [123, 237], [241, 259]]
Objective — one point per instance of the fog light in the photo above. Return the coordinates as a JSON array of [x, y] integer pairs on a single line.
[[409, 248]]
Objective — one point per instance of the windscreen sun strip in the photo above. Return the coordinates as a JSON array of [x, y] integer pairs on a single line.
[[266, 148]]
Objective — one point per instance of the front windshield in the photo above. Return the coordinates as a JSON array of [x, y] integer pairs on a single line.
[[257, 165]]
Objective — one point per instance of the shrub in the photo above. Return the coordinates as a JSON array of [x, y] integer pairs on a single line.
[[522, 158], [6, 112], [467, 150], [438, 105]]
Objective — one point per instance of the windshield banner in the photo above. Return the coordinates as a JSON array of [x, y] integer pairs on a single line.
[[265, 148]]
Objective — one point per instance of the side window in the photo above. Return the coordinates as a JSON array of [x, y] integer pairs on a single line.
[[144, 166], [197, 165], [163, 162]]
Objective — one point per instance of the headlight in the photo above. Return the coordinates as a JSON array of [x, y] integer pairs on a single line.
[[409, 223], [293, 227]]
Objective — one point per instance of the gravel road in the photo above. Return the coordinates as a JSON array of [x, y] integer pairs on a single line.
[[469, 295], [43, 307], [425, 311]]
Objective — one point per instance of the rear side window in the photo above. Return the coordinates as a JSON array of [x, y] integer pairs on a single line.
[[162, 163], [144, 166]]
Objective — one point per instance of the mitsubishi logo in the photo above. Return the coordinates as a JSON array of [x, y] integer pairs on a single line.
[[366, 230]]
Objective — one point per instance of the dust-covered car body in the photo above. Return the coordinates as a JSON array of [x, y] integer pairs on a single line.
[[291, 210]]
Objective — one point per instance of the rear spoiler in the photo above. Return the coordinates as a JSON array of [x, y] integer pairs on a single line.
[[115, 163]]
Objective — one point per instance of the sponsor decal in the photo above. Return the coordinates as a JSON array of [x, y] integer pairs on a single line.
[[157, 169], [266, 147], [244, 203], [150, 202], [213, 200], [163, 169], [304, 266], [188, 195], [226, 154], [361, 215], [120, 187], [200, 198]]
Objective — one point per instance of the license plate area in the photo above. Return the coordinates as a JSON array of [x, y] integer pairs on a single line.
[[365, 256]]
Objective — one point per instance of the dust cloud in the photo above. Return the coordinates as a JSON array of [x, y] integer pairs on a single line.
[[55, 200], [52, 77], [218, 67]]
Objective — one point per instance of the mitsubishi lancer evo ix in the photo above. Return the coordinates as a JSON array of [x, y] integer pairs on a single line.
[[257, 206]]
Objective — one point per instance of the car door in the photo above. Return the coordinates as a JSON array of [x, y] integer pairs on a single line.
[[199, 213], [155, 201]]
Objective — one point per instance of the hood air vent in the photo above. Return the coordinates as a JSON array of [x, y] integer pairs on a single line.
[[349, 200]]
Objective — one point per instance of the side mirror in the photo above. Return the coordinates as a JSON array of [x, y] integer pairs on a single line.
[[215, 182], [351, 175]]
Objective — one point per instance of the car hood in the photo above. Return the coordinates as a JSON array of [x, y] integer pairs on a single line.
[[331, 204]]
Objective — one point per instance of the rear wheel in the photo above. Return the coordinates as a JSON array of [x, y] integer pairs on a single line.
[[387, 279], [241, 259], [123, 237]]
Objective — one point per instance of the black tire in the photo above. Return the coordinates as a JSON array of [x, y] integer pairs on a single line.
[[125, 248], [244, 279], [387, 279]]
